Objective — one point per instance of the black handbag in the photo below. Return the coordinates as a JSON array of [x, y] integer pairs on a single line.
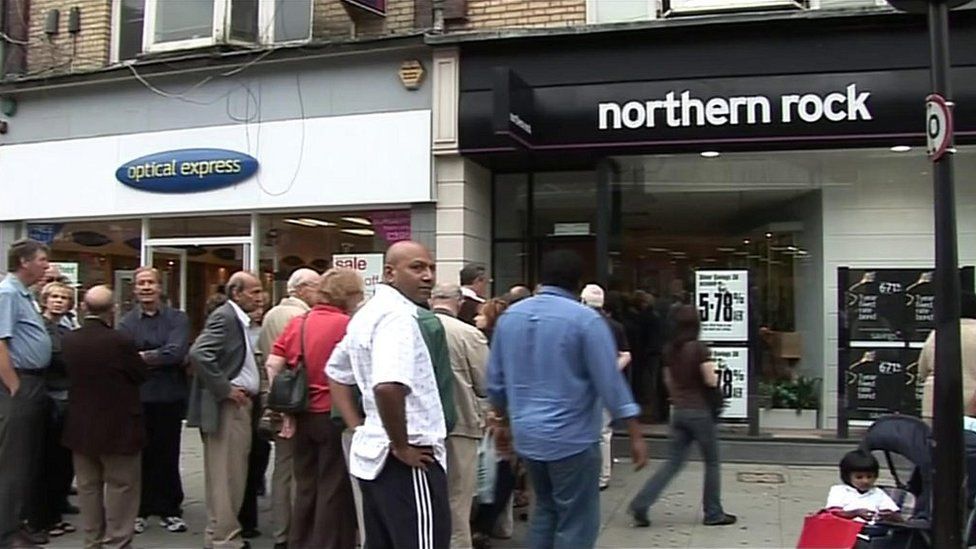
[[289, 390]]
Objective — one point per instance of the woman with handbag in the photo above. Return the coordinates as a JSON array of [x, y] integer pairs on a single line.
[[689, 375], [324, 515]]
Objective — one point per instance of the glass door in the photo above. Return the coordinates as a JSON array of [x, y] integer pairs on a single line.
[[194, 271]]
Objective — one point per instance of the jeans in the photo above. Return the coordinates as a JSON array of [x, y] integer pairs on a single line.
[[567, 507], [687, 426]]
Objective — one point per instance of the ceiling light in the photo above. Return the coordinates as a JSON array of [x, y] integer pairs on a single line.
[[302, 222], [710, 154], [317, 222], [360, 232], [725, 249], [769, 235], [658, 250], [358, 220], [710, 260], [901, 148], [746, 241]]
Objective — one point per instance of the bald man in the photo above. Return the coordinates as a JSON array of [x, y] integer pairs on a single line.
[[221, 401], [104, 427], [398, 453]]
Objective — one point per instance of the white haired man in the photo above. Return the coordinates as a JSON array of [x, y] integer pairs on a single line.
[[302, 296]]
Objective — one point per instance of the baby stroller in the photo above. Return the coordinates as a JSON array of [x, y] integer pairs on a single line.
[[910, 438]]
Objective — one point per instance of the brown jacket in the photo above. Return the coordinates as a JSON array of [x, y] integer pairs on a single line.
[[104, 410]]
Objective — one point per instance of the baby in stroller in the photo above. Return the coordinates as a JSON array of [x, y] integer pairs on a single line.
[[858, 498]]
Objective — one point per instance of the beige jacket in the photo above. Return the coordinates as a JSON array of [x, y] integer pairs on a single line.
[[469, 361], [926, 365]]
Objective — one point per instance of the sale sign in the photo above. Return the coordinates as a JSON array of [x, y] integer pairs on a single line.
[[369, 266], [723, 304], [732, 368]]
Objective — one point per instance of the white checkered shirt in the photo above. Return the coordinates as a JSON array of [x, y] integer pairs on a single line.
[[383, 344]]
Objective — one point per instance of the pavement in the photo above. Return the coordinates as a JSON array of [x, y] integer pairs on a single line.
[[770, 501]]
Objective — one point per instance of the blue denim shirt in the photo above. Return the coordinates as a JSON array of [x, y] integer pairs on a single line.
[[22, 326], [553, 367]]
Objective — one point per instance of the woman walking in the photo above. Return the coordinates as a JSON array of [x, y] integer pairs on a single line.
[[689, 375]]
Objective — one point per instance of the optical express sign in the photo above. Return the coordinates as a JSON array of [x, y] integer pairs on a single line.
[[187, 170]]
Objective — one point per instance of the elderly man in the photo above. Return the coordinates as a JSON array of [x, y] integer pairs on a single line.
[[302, 295], [469, 358], [221, 401], [474, 286], [104, 428], [25, 351], [161, 334], [398, 453]]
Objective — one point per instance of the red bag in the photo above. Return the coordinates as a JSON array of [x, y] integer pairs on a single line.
[[826, 530]]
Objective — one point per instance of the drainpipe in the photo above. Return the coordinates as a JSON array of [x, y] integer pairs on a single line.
[[438, 9]]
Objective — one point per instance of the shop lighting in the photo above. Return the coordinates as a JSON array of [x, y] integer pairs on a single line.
[[746, 241], [741, 253], [710, 154], [302, 222], [317, 222], [659, 250], [725, 249], [901, 148], [360, 232], [358, 220], [769, 235]]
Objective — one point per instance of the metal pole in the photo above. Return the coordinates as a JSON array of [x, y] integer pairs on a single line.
[[948, 501]]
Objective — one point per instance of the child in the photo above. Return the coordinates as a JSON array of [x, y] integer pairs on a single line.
[[858, 498]]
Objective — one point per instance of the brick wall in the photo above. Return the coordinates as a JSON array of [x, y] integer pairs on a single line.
[[334, 20], [496, 14], [64, 52]]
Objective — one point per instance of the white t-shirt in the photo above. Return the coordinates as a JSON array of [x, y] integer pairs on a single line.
[[383, 344], [847, 498], [248, 379]]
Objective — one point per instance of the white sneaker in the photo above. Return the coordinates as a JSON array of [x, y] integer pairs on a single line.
[[141, 525], [173, 524]]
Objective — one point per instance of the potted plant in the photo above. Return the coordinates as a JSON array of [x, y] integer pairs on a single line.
[[790, 404]]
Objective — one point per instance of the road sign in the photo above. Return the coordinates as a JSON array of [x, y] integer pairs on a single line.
[[938, 125]]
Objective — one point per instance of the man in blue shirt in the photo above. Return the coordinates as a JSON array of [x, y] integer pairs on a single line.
[[25, 351], [553, 368]]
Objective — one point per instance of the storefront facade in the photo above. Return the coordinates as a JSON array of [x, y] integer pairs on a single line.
[[782, 148], [305, 162]]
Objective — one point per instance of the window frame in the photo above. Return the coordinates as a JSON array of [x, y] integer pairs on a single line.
[[592, 9], [267, 10], [727, 6]]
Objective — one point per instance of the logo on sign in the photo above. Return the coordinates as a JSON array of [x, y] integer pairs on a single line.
[[187, 170]]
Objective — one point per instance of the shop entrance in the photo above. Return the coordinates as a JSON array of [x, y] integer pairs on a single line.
[[193, 270]]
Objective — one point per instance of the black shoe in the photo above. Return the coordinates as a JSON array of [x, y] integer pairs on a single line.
[[640, 519], [281, 545], [480, 541], [251, 533], [723, 520], [36, 537]]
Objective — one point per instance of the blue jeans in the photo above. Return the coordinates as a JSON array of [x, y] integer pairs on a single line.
[[567, 501], [687, 426]]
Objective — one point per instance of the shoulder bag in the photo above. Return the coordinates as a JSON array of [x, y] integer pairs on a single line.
[[289, 390]]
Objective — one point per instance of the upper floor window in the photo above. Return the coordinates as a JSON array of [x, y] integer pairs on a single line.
[[620, 11], [147, 26]]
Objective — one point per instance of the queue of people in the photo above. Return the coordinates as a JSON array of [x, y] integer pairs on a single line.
[[403, 388]]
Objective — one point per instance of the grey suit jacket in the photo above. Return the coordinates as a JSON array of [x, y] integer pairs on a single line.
[[217, 356]]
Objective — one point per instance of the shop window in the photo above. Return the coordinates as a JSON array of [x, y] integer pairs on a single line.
[[511, 205], [620, 11], [313, 239], [164, 25], [89, 253], [187, 227]]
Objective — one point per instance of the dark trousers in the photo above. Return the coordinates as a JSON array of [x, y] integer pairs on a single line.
[[406, 507], [22, 421], [324, 515], [54, 478], [162, 487], [257, 466], [488, 513]]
